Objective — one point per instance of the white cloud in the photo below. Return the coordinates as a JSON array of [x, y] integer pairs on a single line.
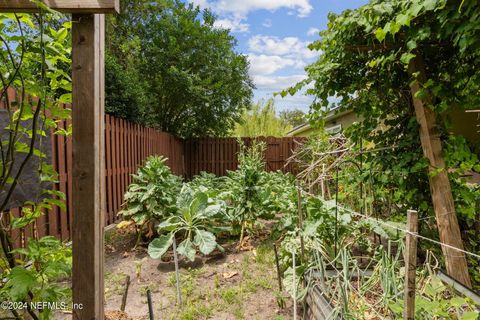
[[266, 65], [244, 7], [234, 13], [291, 47], [269, 54], [313, 32], [277, 83], [234, 24]]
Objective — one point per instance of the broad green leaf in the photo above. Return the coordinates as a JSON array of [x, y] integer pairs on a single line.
[[199, 203], [160, 245], [380, 34], [213, 210], [186, 248], [170, 224], [406, 57], [20, 282], [457, 301], [205, 241], [403, 19]]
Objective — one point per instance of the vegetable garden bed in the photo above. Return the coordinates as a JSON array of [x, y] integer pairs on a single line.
[[230, 285]]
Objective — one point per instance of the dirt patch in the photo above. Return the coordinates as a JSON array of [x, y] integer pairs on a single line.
[[221, 286]]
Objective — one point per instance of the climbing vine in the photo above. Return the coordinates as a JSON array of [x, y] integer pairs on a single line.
[[363, 65]]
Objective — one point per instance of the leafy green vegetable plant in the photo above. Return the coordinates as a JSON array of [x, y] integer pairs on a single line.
[[244, 186], [194, 222], [152, 195]]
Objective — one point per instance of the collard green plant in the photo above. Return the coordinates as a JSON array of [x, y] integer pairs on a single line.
[[253, 194], [435, 299], [152, 195], [194, 222], [208, 182], [243, 186]]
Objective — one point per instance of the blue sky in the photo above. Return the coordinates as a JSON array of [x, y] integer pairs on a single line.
[[275, 34]]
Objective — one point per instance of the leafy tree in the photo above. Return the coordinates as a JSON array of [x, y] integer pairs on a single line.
[[293, 118], [194, 83], [261, 120], [365, 56], [126, 96]]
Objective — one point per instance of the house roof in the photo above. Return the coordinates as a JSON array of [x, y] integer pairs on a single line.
[[331, 115]]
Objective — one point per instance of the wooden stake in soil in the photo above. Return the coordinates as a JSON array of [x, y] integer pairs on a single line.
[[125, 293], [150, 305], [410, 264], [300, 221], [294, 287], [177, 273], [278, 268]]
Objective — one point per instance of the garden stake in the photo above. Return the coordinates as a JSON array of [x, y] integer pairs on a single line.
[[278, 268], [294, 288], [336, 212], [336, 197], [410, 264], [177, 274], [300, 221], [125, 293], [322, 183], [150, 307]]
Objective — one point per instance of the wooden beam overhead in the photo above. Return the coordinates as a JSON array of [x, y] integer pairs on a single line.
[[66, 6]]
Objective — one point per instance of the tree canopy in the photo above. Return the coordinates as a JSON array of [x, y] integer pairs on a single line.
[[293, 117], [364, 64], [178, 72]]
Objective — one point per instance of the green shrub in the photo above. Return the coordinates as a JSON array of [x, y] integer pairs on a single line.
[[46, 262]]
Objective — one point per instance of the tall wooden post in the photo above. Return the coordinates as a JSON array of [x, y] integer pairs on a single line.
[[440, 189], [88, 165], [88, 37], [410, 265]]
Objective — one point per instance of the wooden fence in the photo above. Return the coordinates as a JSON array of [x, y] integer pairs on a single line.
[[217, 155], [127, 146]]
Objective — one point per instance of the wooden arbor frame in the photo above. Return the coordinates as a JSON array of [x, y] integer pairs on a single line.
[[88, 39]]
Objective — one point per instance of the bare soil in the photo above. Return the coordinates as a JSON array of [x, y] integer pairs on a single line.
[[230, 285]]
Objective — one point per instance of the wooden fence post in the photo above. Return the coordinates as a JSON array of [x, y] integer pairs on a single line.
[[88, 166], [410, 264]]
